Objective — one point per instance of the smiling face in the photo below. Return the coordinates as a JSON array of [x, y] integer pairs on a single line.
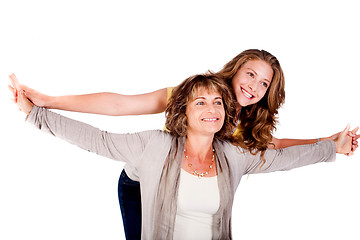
[[205, 113], [251, 82]]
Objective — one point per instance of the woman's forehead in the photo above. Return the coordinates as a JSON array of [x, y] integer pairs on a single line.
[[201, 91]]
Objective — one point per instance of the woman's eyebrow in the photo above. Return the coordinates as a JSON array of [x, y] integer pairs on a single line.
[[257, 74], [201, 97]]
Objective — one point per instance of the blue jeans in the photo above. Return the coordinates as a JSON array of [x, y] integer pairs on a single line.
[[130, 206]]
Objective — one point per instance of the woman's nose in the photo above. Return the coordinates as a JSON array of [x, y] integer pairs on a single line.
[[211, 108], [252, 85]]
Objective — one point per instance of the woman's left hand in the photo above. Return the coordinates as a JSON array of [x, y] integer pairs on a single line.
[[350, 134], [346, 141]]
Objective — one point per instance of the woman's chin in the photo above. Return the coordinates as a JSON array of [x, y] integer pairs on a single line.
[[243, 102]]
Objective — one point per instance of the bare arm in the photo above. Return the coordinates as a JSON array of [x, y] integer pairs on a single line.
[[99, 103], [284, 143], [113, 104]]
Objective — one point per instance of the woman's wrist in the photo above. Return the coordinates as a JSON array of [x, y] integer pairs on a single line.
[[326, 139], [337, 146], [50, 102]]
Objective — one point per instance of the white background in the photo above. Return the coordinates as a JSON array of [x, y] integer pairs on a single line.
[[52, 190]]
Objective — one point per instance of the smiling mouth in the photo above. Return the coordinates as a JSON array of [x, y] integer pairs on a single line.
[[210, 119], [247, 94]]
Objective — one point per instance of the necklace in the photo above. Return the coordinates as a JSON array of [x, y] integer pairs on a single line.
[[195, 172]]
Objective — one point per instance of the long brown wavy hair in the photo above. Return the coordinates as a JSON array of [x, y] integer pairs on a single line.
[[257, 121], [176, 120]]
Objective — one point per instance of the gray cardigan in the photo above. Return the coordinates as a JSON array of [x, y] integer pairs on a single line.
[[155, 157]]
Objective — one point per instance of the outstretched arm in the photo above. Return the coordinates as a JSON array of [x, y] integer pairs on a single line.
[[104, 103], [122, 147], [297, 156], [284, 143]]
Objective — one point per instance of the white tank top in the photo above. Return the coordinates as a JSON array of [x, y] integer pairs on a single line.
[[198, 201]]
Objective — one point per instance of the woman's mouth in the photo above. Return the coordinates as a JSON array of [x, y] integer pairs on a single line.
[[213, 119], [247, 94]]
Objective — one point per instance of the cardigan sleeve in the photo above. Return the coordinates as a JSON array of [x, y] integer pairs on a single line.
[[123, 147], [291, 157]]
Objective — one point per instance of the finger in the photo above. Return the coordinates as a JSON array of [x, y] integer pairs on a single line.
[[354, 147], [355, 130], [13, 91], [15, 94], [20, 98], [346, 130], [15, 81], [347, 140], [352, 133]]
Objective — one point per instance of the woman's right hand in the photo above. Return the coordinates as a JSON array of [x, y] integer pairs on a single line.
[[34, 96], [24, 104]]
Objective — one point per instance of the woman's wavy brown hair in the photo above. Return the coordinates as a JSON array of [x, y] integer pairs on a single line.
[[257, 121], [176, 120]]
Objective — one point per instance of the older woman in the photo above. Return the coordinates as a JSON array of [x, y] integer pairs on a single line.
[[189, 173]]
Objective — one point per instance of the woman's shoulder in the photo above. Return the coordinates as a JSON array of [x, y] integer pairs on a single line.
[[228, 147], [157, 134]]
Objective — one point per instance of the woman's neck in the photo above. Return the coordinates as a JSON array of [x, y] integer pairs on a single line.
[[199, 147]]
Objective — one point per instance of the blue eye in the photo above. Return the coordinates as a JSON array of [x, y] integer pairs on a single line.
[[218, 103], [200, 103], [265, 84], [251, 74]]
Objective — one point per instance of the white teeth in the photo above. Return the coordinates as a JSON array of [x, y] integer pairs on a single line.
[[247, 94], [210, 119]]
